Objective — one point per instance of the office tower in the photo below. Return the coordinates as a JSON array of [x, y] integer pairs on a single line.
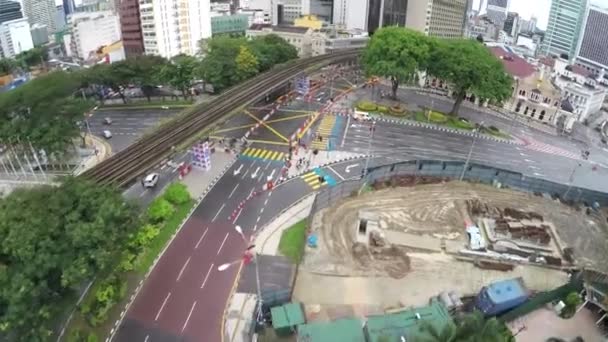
[[10, 10], [437, 18], [130, 28], [563, 29], [352, 14], [383, 13], [68, 7], [41, 12], [496, 10], [15, 37], [173, 27], [511, 24], [592, 50]]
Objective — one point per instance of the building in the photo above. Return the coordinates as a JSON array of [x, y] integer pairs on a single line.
[[285, 12], [68, 7], [60, 19], [383, 13], [437, 18], [406, 325], [534, 95], [310, 21], [255, 16], [501, 296], [130, 28], [329, 40], [40, 35], [173, 27], [10, 10], [483, 27], [111, 53], [496, 11], [322, 9], [511, 25], [41, 12], [91, 31], [592, 51], [229, 24], [565, 22], [15, 37], [299, 37], [352, 14]]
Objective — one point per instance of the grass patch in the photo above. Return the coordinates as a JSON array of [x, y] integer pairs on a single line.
[[367, 106], [497, 133], [460, 123], [292, 242], [168, 229], [434, 117]]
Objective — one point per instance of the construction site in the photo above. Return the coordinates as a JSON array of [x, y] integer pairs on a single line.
[[400, 245]]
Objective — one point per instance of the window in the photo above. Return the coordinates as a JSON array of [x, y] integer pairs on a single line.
[[542, 115], [533, 112], [526, 111]]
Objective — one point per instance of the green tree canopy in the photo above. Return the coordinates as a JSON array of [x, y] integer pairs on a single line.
[[32, 57], [246, 63], [7, 66], [52, 240], [397, 53], [180, 73], [469, 67], [271, 50], [43, 111], [219, 65]]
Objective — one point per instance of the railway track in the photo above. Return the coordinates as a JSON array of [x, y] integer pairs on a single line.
[[124, 167]]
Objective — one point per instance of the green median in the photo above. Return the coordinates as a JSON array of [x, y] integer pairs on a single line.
[[292, 242]]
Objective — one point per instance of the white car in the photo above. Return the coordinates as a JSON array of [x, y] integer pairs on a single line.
[[107, 134], [150, 180]]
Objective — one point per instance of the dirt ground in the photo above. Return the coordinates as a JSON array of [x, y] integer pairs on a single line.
[[426, 218]]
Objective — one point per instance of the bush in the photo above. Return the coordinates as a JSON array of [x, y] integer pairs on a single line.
[[367, 106], [177, 193], [160, 210], [109, 292], [92, 337], [398, 110], [437, 117], [493, 128], [382, 109]]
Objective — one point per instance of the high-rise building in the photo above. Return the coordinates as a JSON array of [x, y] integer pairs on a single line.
[[10, 10], [592, 51], [322, 9], [511, 24], [563, 29], [15, 37], [41, 12], [173, 27], [91, 31], [386, 13], [130, 28], [68, 7], [496, 10], [437, 18], [353, 14]]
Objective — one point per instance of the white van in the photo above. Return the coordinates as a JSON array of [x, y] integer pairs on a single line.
[[150, 180], [107, 134], [362, 116]]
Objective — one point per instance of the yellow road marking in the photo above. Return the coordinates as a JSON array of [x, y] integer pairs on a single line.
[[267, 126], [257, 153], [273, 155], [266, 154], [270, 142], [247, 151], [308, 126]]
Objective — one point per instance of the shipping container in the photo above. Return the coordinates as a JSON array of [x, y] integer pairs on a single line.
[[501, 296]]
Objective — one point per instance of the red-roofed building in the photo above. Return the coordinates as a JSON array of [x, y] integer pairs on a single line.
[[515, 65]]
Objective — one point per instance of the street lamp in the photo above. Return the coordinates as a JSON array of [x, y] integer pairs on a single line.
[[466, 163], [571, 179]]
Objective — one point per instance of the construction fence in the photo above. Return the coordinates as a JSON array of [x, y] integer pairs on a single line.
[[419, 170]]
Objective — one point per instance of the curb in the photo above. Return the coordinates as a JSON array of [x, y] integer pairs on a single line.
[[134, 294]]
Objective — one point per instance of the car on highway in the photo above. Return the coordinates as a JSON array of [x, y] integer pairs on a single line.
[[151, 180], [107, 134], [107, 121]]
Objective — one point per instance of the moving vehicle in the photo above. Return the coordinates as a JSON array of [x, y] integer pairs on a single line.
[[362, 116], [107, 134], [107, 121], [150, 181], [568, 125]]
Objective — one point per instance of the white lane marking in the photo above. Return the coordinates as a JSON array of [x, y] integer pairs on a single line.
[[266, 201], [334, 171], [345, 131], [202, 237], [538, 174], [188, 318], [255, 174], [237, 171], [262, 210], [251, 192], [267, 165], [207, 276], [249, 168], [218, 212], [237, 216], [233, 190], [269, 193], [222, 245], [182, 270], [255, 227], [529, 161], [147, 338], [162, 306], [143, 193], [523, 155], [258, 220]]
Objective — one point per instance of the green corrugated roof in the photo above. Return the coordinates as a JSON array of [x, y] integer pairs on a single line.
[[344, 330], [405, 323], [288, 315]]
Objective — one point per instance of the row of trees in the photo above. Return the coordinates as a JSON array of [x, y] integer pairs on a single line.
[[467, 65], [24, 60], [45, 110]]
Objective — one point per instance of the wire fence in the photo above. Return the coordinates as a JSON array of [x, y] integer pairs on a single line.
[[452, 170]]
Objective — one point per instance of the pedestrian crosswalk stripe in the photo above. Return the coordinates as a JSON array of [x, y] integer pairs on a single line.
[[273, 155], [312, 179], [258, 153], [263, 154]]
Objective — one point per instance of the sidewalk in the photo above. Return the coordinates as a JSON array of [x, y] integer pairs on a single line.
[[102, 150], [199, 182], [241, 308], [321, 159]]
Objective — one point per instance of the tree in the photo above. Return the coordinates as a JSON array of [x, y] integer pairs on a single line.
[[219, 65], [147, 69], [52, 240], [246, 64], [44, 111], [471, 328], [7, 66], [160, 210], [179, 73], [469, 67], [271, 50], [177, 193], [397, 53], [32, 57]]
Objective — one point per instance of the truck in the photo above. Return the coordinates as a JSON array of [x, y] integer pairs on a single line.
[[568, 125], [501, 296]]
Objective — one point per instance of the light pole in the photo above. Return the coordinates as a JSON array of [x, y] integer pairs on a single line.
[[248, 253], [372, 129], [466, 163], [571, 179]]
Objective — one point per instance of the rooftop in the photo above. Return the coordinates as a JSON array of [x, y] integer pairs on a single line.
[[347, 330], [515, 65], [407, 323], [288, 315], [506, 290]]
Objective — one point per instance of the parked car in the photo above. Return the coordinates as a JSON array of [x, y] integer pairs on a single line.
[[150, 181], [107, 134]]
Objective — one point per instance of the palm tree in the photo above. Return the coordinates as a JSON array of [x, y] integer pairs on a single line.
[[447, 334], [472, 328]]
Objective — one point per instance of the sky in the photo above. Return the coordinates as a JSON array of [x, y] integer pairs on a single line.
[[537, 8]]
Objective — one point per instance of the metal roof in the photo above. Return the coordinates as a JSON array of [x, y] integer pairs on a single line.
[[343, 330], [288, 315], [506, 290]]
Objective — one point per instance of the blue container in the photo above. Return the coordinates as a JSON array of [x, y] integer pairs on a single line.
[[501, 296]]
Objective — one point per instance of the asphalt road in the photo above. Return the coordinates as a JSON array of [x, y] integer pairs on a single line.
[[127, 125]]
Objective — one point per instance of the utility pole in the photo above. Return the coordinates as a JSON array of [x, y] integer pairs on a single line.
[[466, 163], [571, 179]]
